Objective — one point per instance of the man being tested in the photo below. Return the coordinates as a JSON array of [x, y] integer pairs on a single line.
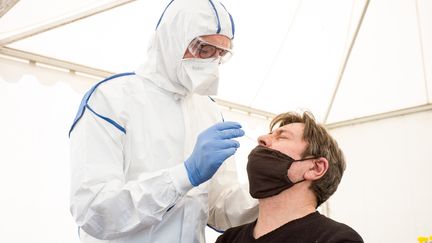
[[144, 145], [292, 171]]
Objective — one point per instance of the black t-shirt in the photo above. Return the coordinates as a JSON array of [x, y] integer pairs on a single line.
[[313, 228]]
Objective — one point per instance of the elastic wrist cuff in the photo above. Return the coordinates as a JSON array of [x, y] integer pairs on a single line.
[[180, 178]]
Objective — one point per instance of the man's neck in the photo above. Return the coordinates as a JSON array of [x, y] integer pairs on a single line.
[[280, 209]]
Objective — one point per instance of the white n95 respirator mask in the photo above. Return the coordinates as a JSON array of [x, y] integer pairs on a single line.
[[200, 76]]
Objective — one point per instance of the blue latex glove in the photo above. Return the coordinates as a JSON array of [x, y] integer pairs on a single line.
[[213, 146]]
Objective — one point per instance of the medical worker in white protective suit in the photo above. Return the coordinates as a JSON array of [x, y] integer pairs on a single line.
[[146, 146]]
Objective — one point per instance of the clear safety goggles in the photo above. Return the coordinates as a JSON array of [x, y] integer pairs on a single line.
[[203, 49]]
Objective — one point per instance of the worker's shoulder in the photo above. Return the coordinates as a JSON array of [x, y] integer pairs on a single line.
[[114, 89], [113, 85], [105, 100]]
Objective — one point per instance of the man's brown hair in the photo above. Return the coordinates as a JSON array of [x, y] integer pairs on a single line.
[[319, 144]]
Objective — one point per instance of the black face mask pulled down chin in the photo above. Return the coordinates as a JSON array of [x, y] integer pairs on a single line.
[[268, 172]]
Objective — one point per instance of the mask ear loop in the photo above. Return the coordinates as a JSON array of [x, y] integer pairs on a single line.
[[303, 174]]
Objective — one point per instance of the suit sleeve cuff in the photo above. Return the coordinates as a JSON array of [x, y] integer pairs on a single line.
[[180, 179]]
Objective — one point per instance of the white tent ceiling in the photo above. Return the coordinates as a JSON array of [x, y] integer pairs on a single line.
[[288, 54]]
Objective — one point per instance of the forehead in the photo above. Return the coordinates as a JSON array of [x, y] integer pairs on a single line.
[[218, 40]]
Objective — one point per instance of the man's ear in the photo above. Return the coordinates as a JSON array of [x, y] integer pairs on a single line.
[[319, 168]]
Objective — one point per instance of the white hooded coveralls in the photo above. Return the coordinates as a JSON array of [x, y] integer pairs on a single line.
[[133, 132]]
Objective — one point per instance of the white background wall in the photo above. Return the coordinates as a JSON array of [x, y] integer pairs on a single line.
[[385, 193], [386, 190], [37, 107]]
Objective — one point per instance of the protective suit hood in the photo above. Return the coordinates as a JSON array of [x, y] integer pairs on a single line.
[[179, 24]]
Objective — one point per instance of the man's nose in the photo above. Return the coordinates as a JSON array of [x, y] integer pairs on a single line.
[[265, 140]]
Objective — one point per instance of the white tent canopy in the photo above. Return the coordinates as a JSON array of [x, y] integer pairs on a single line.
[[298, 45], [361, 67]]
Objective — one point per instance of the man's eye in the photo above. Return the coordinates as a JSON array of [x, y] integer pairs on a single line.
[[207, 48], [282, 137], [204, 51]]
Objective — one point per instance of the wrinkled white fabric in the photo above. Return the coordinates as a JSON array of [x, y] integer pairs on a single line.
[[200, 76], [132, 186]]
